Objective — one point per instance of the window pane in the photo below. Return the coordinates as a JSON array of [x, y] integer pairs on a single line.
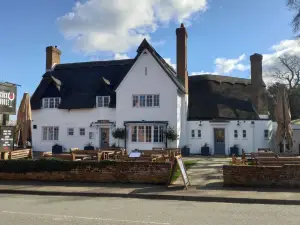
[[244, 133], [156, 100], [82, 131], [56, 133], [106, 101], [161, 134], [193, 133], [141, 134], [266, 134], [148, 133], [45, 133], [91, 135], [45, 103], [155, 134], [133, 133], [99, 101], [149, 100], [70, 131], [135, 101], [142, 100], [56, 103], [50, 133], [51, 103], [235, 133], [199, 133]]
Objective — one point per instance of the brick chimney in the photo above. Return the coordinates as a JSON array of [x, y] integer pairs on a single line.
[[256, 80], [181, 55], [52, 57]]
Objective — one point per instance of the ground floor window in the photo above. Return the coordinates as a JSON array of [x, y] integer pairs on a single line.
[[50, 133], [147, 133]]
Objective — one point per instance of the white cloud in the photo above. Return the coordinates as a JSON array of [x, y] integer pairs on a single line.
[[121, 56], [168, 60], [225, 66], [202, 72], [118, 25]]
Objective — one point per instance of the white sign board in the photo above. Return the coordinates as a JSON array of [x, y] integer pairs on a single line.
[[183, 171], [135, 154]]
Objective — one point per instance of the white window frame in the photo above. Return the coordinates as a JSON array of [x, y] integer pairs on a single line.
[[244, 132], [80, 129], [68, 131], [268, 132], [236, 132], [101, 104], [49, 137], [46, 102], [135, 130], [192, 133], [143, 101], [199, 132]]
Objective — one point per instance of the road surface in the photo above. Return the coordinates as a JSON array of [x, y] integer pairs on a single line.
[[50, 210]]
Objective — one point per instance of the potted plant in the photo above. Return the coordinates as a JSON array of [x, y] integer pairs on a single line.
[[89, 146], [205, 150], [171, 134], [185, 151], [234, 150], [119, 133]]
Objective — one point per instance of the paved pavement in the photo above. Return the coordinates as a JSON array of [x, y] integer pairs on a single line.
[[207, 172], [35, 210]]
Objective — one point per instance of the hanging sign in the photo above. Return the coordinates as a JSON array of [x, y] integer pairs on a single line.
[[8, 99]]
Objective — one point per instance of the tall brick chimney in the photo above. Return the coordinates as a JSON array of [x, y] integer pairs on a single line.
[[256, 80], [181, 55], [52, 56]]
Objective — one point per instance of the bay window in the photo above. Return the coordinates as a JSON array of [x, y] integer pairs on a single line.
[[147, 133]]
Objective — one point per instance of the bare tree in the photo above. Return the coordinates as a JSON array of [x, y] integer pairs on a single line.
[[287, 71], [295, 6]]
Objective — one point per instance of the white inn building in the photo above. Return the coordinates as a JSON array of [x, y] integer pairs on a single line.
[[77, 104]]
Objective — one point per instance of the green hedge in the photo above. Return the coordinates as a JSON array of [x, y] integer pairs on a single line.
[[48, 165]]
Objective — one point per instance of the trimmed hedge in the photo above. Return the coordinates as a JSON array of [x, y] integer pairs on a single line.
[[49, 165]]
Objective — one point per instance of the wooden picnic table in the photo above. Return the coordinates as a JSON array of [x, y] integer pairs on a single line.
[[107, 154]]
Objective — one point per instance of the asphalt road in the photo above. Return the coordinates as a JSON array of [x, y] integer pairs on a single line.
[[36, 210]]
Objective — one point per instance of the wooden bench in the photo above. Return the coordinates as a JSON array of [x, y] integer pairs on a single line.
[[94, 154], [277, 160], [64, 156], [20, 154]]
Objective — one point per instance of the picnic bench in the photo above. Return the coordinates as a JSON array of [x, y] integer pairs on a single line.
[[16, 154]]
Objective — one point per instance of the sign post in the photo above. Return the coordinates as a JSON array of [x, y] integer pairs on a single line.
[[183, 172], [6, 138]]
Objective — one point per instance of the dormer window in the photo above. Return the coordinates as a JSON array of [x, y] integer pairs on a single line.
[[102, 101], [51, 103]]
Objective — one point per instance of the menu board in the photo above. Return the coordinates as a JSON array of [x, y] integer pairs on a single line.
[[6, 137], [183, 172]]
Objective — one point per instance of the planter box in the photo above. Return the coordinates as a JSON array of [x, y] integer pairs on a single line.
[[57, 149], [185, 151], [235, 151], [205, 151], [89, 148]]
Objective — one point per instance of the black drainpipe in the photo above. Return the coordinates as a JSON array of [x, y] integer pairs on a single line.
[[125, 136], [166, 137]]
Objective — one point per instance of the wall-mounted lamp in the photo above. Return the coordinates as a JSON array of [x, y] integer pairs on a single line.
[[252, 122], [238, 122], [200, 124]]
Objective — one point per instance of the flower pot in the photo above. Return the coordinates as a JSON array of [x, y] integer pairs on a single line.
[[185, 151], [205, 151], [234, 150]]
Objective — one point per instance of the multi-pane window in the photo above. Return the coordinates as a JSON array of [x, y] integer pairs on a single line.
[[145, 101], [235, 134], [199, 133], [102, 101], [244, 133], [51, 103], [82, 131], [144, 134], [91, 135], [70, 131], [266, 133], [50, 133], [193, 133]]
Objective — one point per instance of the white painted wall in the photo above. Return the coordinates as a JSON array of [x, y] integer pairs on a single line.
[[254, 140], [155, 82], [64, 119]]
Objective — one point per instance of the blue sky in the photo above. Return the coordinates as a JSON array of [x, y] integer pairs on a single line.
[[220, 31]]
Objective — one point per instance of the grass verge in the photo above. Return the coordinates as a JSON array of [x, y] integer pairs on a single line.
[[188, 164]]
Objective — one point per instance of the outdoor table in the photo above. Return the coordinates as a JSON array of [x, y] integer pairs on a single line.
[[106, 154], [2, 154], [83, 156]]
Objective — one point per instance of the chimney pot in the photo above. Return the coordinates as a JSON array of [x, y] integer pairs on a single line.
[[52, 56]]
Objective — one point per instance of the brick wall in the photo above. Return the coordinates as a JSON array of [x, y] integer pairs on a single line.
[[262, 176], [129, 172]]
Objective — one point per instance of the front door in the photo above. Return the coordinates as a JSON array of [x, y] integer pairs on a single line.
[[219, 136], [104, 137]]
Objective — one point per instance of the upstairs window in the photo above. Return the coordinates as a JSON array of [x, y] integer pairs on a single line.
[[142, 101], [235, 134], [244, 133], [51, 103], [102, 101], [266, 134]]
